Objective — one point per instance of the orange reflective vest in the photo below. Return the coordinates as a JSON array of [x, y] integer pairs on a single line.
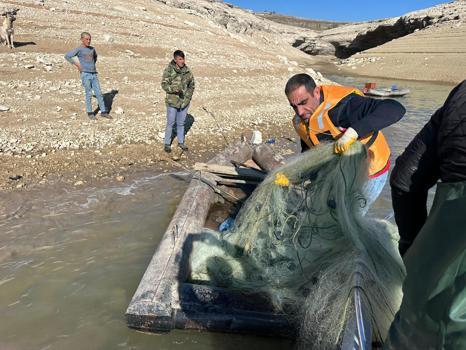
[[321, 124]]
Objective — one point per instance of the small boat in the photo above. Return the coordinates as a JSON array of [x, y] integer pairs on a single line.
[[386, 92], [166, 299]]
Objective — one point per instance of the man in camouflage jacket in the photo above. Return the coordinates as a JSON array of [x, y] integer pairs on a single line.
[[178, 83]]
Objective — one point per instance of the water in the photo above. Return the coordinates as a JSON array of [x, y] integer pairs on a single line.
[[70, 260]]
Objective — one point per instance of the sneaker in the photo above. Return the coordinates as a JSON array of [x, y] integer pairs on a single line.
[[106, 115], [183, 146], [167, 148], [91, 115]]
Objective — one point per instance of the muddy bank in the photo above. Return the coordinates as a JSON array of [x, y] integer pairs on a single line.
[[123, 163]]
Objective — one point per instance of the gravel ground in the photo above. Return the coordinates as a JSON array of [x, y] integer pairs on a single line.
[[45, 134]]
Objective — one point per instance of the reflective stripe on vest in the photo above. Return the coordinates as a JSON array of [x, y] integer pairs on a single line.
[[320, 123]]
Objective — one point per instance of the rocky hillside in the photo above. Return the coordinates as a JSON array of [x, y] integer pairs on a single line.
[[387, 47], [317, 25], [436, 53]]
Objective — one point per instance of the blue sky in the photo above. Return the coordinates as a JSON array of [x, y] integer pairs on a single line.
[[337, 10]]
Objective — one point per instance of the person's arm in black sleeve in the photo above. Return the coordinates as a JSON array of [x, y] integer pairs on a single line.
[[415, 171], [374, 115], [452, 136]]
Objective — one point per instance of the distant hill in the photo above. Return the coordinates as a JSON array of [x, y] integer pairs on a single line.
[[313, 24]]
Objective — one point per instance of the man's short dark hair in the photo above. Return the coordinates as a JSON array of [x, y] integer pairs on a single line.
[[178, 53], [298, 80]]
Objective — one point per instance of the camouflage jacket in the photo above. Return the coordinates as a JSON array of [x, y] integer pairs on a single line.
[[178, 83]]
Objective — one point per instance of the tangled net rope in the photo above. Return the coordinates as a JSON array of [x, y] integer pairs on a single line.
[[301, 238]]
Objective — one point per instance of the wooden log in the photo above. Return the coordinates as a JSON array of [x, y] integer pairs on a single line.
[[264, 156]]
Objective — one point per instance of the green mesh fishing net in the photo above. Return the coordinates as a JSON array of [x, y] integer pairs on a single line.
[[302, 239]]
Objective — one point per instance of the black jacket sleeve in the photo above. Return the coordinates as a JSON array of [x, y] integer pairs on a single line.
[[451, 137], [415, 171], [365, 114]]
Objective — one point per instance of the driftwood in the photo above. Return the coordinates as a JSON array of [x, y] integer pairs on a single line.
[[229, 182], [230, 171], [213, 181], [264, 156]]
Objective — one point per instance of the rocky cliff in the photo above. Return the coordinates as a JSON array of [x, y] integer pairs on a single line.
[[344, 41]]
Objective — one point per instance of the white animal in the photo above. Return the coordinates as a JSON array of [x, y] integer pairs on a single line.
[[6, 30]]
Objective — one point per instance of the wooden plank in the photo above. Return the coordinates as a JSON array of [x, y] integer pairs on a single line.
[[233, 182], [230, 182], [211, 180], [218, 309], [231, 171], [212, 308]]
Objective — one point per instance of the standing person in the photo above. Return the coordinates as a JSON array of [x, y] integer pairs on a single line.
[[432, 313], [87, 58], [340, 113], [178, 83]]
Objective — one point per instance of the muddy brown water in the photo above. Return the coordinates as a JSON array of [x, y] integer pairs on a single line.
[[71, 259]]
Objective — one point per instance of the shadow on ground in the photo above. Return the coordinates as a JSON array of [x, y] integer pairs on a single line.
[[23, 43], [187, 126]]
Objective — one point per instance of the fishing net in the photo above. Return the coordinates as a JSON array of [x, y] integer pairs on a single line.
[[302, 239]]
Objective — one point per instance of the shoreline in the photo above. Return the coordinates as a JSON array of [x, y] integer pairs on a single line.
[[327, 66], [46, 137], [118, 164]]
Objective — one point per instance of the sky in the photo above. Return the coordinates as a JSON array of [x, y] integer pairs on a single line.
[[337, 10]]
